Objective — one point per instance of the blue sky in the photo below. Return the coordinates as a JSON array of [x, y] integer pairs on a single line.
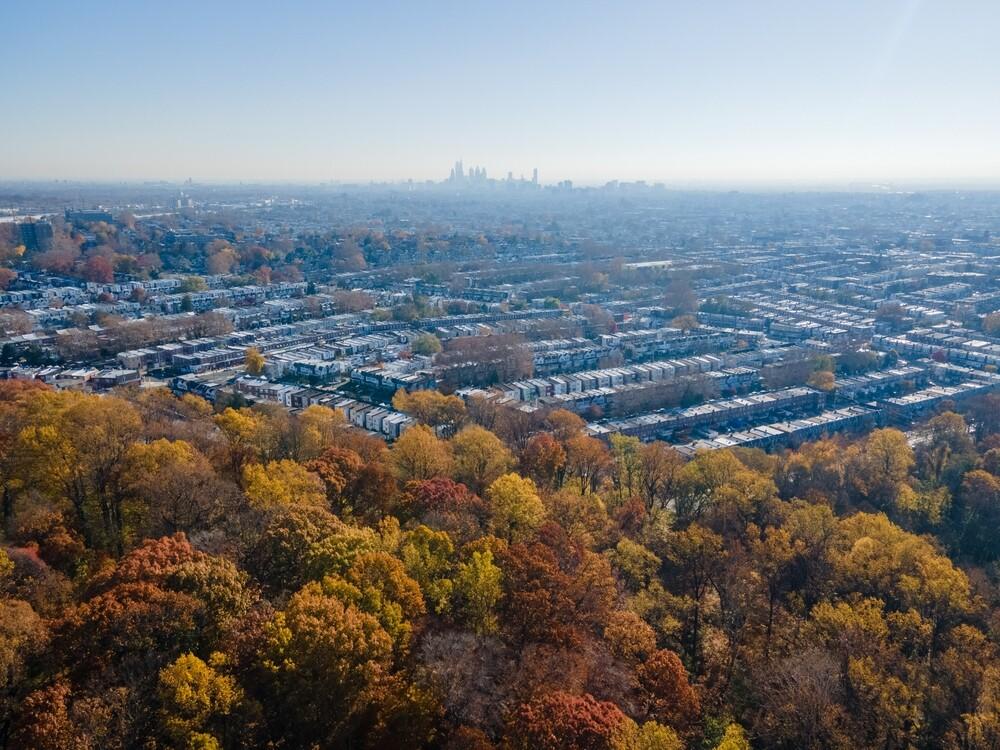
[[709, 92]]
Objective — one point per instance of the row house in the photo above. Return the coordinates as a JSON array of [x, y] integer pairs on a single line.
[[917, 349], [787, 433], [712, 413], [913, 405], [265, 390], [387, 378], [648, 372], [380, 419], [212, 359], [880, 382], [115, 378]]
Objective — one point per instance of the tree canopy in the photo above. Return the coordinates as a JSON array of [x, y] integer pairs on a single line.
[[170, 577]]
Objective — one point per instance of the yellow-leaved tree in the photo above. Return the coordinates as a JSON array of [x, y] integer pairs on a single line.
[[281, 484], [517, 510]]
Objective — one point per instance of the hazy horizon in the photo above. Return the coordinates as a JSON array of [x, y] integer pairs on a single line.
[[986, 185], [772, 94]]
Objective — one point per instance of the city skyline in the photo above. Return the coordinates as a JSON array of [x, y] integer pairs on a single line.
[[776, 94]]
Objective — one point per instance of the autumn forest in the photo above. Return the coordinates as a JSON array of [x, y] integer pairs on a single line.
[[178, 577]]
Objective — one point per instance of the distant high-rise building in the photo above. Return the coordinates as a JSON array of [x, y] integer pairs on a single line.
[[477, 175], [458, 172], [36, 235], [534, 176]]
